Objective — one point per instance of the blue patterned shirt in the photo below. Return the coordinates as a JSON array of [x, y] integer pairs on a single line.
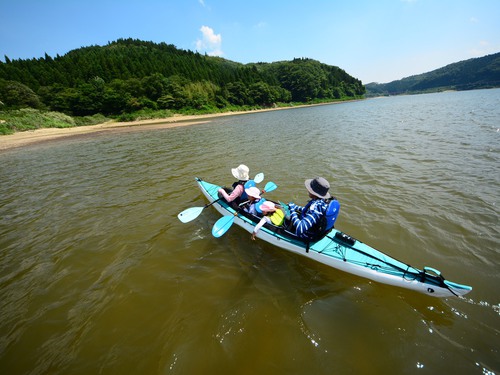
[[305, 218]]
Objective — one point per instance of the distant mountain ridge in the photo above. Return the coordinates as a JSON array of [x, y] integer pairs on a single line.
[[476, 73]]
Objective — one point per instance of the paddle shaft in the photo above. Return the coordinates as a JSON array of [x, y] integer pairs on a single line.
[[270, 186], [192, 213], [209, 204]]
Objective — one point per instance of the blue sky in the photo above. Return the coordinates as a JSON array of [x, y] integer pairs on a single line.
[[373, 40]]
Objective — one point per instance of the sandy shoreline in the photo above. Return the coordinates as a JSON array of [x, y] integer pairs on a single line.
[[30, 137], [26, 138]]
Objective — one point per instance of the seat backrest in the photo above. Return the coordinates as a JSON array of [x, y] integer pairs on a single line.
[[332, 212], [327, 221]]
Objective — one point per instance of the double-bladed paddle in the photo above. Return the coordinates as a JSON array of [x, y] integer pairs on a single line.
[[222, 225], [192, 213]]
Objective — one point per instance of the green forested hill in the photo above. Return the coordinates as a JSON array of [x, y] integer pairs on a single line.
[[131, 75], [483, 72]]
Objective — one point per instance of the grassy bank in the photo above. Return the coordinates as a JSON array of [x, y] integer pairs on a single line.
[[25, 119]]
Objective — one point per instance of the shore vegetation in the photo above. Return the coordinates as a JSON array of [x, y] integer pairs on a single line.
[[130, 80]]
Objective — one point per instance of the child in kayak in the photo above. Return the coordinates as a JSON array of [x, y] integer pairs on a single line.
[[253, 194], [273, 214]]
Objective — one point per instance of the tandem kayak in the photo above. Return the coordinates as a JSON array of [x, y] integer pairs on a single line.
[[341, 251]]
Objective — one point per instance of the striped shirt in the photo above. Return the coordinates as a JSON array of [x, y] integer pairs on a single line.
[[305, 218]]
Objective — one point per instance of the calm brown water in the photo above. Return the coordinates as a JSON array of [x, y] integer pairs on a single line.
[[97, 275]]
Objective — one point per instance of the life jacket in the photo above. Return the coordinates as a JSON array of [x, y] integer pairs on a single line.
[[246, 185], [278, 217], [327, 221]]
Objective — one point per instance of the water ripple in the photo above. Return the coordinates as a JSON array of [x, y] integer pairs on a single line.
[[98, 275]]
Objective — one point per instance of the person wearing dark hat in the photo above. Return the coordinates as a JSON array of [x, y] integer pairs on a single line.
[[304, 219]]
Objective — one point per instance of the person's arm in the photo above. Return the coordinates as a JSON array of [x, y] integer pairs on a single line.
[[295, 207], [262, 221], [238, 190], [302, 226]]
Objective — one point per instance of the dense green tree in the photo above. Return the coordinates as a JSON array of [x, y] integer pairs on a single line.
[[154, 86], [237, 93], [128, 75], [482, 72], [114, 102], [17, 95], [200, 94], [308, 79]]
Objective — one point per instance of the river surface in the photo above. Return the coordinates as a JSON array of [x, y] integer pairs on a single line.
[[98, 276]]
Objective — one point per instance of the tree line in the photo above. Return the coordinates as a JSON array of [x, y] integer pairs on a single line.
[[130, 75]]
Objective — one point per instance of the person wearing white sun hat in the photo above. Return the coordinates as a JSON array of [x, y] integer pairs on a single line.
[[304, 219], [242, 173]]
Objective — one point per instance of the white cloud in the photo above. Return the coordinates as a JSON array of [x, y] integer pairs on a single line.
[[484, 48], [210, 42], [202, 2]]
